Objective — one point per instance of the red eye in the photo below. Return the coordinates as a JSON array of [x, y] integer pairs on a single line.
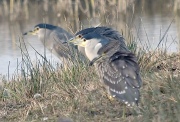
[[80, 36], [36, 29]]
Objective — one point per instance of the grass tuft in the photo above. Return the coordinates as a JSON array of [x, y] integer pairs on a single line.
[[47, 94]]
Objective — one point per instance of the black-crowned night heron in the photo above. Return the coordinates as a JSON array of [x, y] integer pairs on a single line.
[[54, 38], [116, 65]]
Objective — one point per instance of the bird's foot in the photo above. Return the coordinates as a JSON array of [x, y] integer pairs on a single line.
[[111, 98]]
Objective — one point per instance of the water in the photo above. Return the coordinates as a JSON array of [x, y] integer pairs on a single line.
[[148, 26], [11, 55], [157, 31]]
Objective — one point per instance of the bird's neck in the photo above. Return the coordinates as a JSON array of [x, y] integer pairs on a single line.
[[91, 54]]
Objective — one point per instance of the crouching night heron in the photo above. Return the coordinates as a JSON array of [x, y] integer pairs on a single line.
[[116, 65], [54, 38]]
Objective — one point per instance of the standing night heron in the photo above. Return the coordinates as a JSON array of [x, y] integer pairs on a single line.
[[54, 38], [116, 65]]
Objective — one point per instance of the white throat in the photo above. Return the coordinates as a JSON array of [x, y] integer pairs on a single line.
[[92, 50]]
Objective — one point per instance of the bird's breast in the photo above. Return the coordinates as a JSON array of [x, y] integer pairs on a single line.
[[91, 54]]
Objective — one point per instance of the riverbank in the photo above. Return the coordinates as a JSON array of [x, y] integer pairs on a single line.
[[76, 93]]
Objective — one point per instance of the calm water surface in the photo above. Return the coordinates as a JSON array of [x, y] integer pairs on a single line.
[[147, 28]]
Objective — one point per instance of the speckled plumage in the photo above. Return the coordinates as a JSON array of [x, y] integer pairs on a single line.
[[115, 64]]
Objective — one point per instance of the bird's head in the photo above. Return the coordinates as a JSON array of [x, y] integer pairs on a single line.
[[89, 40], [79, 40], [40, 29], [92, 42], [35, 31]]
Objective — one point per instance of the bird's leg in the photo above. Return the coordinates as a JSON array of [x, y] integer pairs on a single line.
[[65, 64], [111, 98], [124, 111]]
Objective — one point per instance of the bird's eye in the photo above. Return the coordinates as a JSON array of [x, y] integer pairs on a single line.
[[37, 28], [84, 40], [80, 36]]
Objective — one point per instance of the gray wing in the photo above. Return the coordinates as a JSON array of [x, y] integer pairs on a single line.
[[121, 74], [66, 50], [113, 46], [61, 35], [62, 50], [116, 43]]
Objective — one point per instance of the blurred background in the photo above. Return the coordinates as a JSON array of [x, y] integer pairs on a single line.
[[150, 23]]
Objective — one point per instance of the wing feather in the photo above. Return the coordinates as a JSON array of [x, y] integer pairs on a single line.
[[117, 67], [65, 51], [121, 74]]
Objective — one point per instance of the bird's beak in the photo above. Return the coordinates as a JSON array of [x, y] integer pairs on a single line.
[[77, 41], [74, 41], [30, 33]]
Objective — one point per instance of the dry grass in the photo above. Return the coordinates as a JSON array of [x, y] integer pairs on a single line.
[[45, 94], [76, 93]]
